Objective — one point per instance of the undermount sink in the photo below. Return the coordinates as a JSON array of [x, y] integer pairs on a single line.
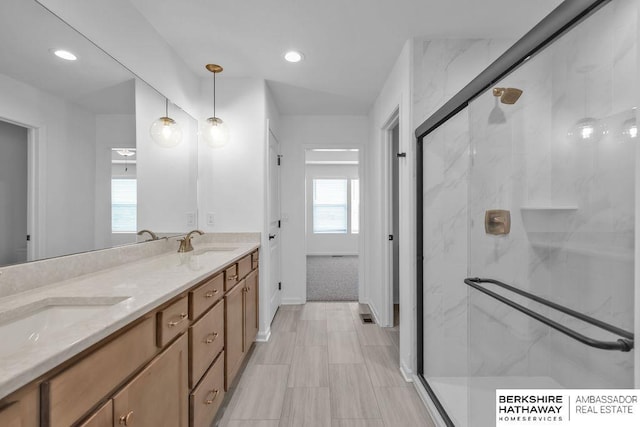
[[43, 319], [202, 251]]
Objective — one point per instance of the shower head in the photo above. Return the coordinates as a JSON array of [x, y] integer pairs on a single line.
[[508, 95]]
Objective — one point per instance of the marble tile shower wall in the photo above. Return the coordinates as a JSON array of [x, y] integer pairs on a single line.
[[571, 201], [440, 69]]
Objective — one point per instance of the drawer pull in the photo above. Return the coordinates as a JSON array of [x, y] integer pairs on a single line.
[[234, 277], [210, 340], [124, 420], [175, 322], [212, 394], [211, 294]]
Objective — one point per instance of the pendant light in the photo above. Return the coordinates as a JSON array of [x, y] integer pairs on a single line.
[[165, 131], [587, 129], [214, 131]]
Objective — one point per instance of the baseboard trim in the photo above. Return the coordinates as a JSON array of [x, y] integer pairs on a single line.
[[375, 315], [292, 301], [264, 336], [428, 403], [407, 373]]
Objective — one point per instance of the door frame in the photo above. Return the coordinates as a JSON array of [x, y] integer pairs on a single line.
[[361, 233], [36, 185], [392, 121]]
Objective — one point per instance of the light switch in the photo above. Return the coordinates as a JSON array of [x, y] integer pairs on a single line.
[[211, 218]]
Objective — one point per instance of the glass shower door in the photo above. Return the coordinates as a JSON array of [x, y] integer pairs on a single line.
[[561, 160]]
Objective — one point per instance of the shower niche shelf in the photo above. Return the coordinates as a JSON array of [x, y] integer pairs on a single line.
[[548, 218], [543, 208]]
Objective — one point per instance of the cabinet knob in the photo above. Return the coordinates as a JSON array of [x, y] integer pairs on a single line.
[[211, 397], [175, 322], [124, 419], [211, 294], [210, 340]]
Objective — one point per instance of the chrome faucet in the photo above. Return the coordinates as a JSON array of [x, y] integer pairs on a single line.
[[185, 243], [151, 233]]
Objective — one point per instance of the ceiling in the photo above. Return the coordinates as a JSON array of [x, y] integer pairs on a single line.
[[350, 46], [28, 34]]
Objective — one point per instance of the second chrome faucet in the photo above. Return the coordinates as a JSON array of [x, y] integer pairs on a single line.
[[185, 243]]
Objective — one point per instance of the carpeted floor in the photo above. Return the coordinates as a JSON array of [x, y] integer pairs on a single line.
[[332, 278]]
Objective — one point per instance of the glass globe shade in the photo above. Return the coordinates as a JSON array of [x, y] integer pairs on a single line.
[[215, 132], [587, 129], [630, 128], [166, 132]]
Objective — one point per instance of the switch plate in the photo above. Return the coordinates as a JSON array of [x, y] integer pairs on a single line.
[[211, 218], [191, 219]]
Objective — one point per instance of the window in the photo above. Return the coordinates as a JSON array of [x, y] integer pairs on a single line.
[[330, 206], [123, 205], [355, 206], [336, 206]]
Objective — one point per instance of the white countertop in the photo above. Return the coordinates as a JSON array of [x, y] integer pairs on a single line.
[[91, 307]]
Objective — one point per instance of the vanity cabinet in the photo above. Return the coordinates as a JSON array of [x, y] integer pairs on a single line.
[[72, 393], [241, 318], [157, 396], [20, 409], [170, 367], [233, 334]]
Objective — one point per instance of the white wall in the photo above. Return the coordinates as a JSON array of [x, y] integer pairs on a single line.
[[65, 176], [395, 96], [112, 131], [329, 244], [167, 176], [120, 29], [231, 178], [13, 194], [297, 134]]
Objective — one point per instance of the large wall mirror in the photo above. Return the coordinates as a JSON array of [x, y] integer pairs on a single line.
[[79, 170]]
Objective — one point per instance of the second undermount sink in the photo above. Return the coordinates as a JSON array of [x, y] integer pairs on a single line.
[[43, 320]]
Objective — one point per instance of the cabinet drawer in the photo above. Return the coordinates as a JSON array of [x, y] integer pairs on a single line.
[[206, 340], [255, 260], [205, 400], [205, 296], [69, 395], [172, 321], [103, 417], [244, 267], [230, 277]]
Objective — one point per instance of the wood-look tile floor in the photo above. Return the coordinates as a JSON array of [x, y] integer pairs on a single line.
[[323, 367]]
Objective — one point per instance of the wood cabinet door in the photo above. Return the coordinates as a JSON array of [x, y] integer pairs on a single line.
[[234, 332], [251, 309], [21, 409], [103, 417], [157, 396]]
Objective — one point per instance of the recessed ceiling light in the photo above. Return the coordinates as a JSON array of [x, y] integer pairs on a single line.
[[65, 54], [293, 56]]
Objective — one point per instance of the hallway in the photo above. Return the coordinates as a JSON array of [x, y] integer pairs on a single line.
[[323, 367]]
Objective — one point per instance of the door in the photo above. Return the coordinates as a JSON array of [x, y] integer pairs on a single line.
[[251, 309], [275, 249], [233, 332], [13, 194]]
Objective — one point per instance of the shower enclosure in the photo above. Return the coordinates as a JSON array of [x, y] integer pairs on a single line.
[[561, 159]]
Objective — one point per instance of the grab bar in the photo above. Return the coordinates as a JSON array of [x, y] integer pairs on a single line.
[[624, 344]]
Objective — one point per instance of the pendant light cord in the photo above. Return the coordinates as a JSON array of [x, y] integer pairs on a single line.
[[214, 94], [166, 107]]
